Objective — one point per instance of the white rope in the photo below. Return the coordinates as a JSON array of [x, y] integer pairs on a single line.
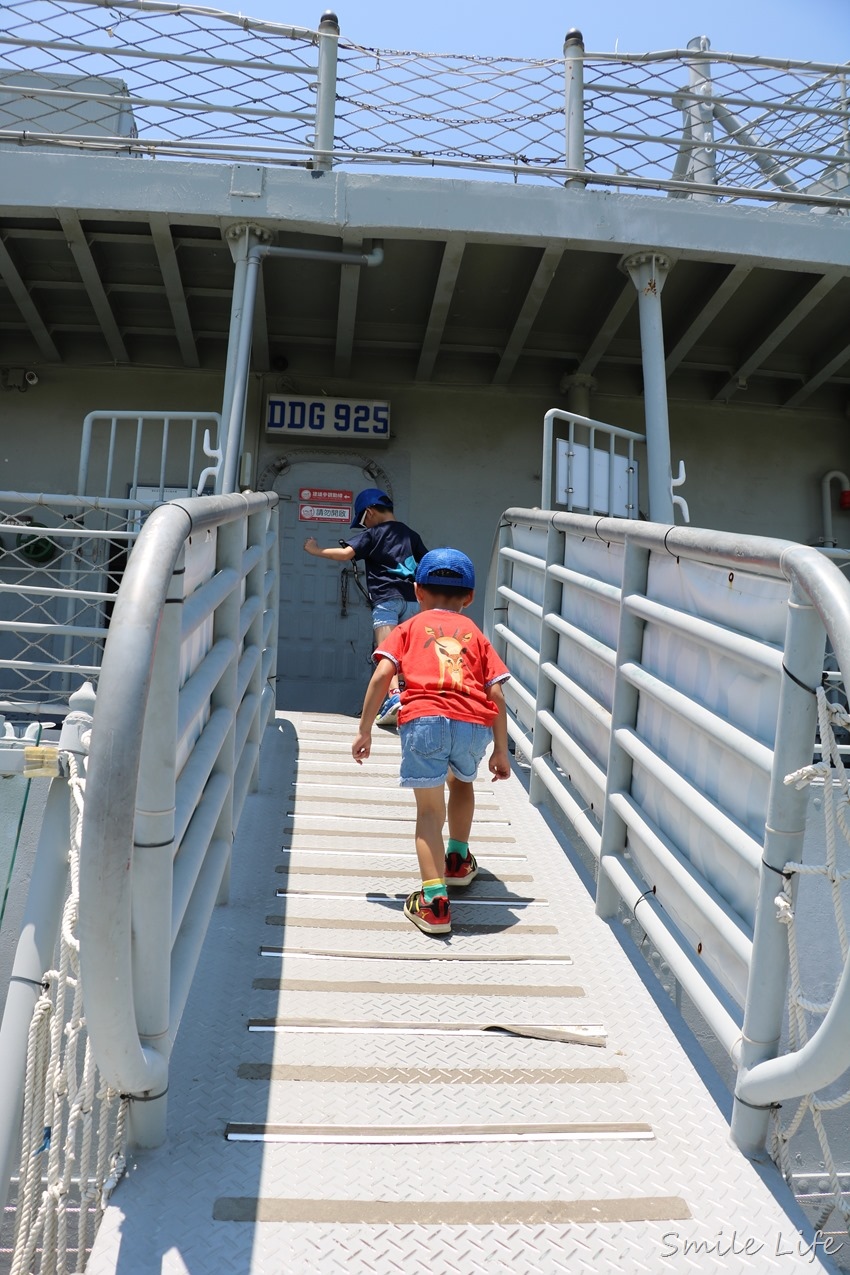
[[74, 1129], [831, 776]]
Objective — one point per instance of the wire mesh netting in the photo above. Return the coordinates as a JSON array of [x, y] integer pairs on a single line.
[[60, 568], [158, 79], [188, 81]]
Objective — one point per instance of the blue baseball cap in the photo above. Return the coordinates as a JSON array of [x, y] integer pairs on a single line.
[[446, 567], [365, 499]]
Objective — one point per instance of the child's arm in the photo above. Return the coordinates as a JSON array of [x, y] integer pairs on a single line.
[[337, 553], [376, 693], [499, 763]]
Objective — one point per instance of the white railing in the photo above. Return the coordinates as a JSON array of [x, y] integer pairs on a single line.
[[663, 686], [185, 688], [144, 78]]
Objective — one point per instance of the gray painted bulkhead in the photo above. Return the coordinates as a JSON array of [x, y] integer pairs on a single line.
[[446, 328]]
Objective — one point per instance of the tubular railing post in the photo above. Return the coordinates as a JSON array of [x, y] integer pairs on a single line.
[[574, 104], [504, 571], [549, 641], [153, 858], [701, 117], [647, 271], [784, 832], [326, 94], [255, 587], [623, 714], [230, 549], [273, 567], [35, 952]]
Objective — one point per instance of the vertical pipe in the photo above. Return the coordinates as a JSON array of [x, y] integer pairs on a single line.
[[239, 248], [232, 416], [574, 104], [648, 272], [783, 843], [624, 710], [326, 94], [556, 542], [701, 117], [153, 857], [547, 490]]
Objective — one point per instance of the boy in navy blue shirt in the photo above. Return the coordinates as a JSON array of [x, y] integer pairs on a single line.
[[389, 550]]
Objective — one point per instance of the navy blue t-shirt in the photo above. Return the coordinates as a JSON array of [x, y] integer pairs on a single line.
[[390, 553]]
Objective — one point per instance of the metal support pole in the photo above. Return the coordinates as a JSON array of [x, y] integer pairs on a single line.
[[326, 94], [35, 953], [574, 104], [700, 114], [243, 241], [624, 710], [556, 542], [784, 832], [153, 859], [648, 272]]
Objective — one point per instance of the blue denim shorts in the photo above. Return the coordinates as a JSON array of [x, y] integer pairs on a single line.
[[433, 746], [392, 612]]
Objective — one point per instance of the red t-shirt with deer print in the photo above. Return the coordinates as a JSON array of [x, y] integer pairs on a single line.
[[446, 664]]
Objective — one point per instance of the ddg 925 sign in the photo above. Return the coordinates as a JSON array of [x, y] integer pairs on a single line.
[[338, 418]]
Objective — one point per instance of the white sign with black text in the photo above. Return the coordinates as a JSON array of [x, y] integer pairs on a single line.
[[361, 420]]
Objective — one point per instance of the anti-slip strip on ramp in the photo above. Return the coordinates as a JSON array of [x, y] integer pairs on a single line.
[[374, 896], [283, 1072], [441, 955], [655, 1208], [518, 929], [437, 1134], [415, 989], [572, 1033]]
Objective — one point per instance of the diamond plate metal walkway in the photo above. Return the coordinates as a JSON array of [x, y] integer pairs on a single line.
[[349, 1094]]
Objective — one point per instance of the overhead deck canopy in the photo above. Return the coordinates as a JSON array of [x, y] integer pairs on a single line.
[[502, 266]]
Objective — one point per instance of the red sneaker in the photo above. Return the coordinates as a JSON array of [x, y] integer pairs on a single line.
[[432, 918], [459, 872]]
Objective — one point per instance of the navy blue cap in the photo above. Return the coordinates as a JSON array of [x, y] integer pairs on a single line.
[[365, 499], [446, 566]]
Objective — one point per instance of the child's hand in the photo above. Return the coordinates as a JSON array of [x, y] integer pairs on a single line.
[[362, 746], [499, 765]]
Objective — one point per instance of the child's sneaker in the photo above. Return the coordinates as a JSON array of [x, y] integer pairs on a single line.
[[388, 712], [458, 871], [432, 918]]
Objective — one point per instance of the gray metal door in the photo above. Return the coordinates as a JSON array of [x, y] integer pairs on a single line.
[[325, 635]]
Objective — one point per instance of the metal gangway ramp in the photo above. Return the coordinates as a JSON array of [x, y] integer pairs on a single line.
[[347, 1093]]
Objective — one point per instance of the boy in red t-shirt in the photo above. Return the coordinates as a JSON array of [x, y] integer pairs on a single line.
[[452, 706]]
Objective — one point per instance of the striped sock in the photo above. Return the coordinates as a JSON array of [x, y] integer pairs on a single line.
[[433, 889], [458, 847]]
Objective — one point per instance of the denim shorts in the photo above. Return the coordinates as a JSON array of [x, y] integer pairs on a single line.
[[392, 612], [433, 746]]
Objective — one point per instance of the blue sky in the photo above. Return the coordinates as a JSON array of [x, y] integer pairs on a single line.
[[818, 30]]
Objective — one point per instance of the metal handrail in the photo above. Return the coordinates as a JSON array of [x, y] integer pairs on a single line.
[[149, 880], [817, 606]]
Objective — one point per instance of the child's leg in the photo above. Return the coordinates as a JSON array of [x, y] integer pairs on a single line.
[[428, 907], [461, 808], [461, 866], [430, 817]]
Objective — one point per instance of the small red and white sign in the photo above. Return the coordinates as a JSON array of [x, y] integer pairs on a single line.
[[324, 513], [326, 495]]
